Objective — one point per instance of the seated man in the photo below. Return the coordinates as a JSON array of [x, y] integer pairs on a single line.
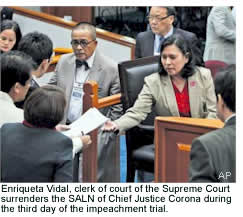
[[213, 154], [161, 21]]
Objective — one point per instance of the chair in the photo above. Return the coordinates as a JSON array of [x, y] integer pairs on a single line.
[[215, 66], [139, 140]]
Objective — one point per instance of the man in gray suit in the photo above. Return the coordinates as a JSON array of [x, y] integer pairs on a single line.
[[72, 71], [213, 154], [161, 21], [221, 36]]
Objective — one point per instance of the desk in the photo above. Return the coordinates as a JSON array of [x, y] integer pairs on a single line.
[[173, 137]]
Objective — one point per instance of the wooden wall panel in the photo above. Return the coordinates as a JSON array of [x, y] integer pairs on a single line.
[[84, 14]]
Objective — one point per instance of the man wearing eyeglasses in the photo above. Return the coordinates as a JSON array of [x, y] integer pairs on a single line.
[[72, 71], [161, 21]]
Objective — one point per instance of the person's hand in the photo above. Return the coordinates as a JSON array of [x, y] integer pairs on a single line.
[[86, 141], [62, 127], [109, 126]]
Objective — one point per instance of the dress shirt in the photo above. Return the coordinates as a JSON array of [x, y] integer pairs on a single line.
[[9, 113], [182, 100], [231, 116], [76, 104], [157, 41]]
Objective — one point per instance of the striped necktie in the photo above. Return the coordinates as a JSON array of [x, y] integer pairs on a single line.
[[161, 40]]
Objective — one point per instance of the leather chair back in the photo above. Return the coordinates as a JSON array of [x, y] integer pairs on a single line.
[[139, 139], [132, 74]]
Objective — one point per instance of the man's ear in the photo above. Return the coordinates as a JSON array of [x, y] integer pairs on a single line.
[[172, 19], [96, 43], [45, 62], [44, 65], [16, 88], [220, 100]]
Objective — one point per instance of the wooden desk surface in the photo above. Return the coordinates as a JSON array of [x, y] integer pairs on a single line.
[[200, 122]]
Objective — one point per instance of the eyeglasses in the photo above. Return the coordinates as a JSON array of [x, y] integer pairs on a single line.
[[82, 43], [157, 18]]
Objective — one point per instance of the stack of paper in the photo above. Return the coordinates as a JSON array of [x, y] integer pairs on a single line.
[[89, 121]]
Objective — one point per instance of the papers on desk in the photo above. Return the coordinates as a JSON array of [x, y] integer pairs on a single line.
[[89, 121]]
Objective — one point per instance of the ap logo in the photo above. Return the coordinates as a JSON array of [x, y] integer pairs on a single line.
[[224, 175]]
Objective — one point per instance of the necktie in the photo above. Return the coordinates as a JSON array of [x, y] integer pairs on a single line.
[[79, 63], [161, 40]]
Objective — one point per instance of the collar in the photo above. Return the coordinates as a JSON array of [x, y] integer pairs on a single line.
[[27, 124], [34, 82], [34, 77], [230, 117], [157, 37], [5, 96], [90, 60], [169, 33]]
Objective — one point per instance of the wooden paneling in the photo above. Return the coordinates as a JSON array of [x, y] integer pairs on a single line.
[[173, 137], [89, 163], [79, 14]]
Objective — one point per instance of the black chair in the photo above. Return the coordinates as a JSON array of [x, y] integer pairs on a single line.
[[139, 139]]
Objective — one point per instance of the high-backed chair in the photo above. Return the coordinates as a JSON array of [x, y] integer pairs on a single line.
[[139, 140]]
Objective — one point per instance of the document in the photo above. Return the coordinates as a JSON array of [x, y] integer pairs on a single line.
[[89, 121]]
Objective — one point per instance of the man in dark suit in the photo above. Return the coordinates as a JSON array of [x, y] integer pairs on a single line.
[[40, 47], [213, 154], [161, 21]]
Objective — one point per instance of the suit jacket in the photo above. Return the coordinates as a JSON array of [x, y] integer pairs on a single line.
[[104, 71], [213, 155], [9, 113], [35, 154], [145, 43], [221, 36], [158, 92]]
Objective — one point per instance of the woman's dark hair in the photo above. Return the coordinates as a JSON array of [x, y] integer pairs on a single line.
[[184, 47], [45, 106], [10, 24], [16, 66]]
